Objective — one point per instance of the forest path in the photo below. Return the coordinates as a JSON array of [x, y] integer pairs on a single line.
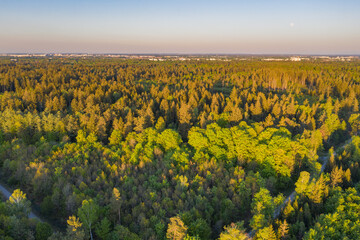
[[291, 197], [7, 195]]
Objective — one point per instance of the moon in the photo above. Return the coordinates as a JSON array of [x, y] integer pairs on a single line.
[[292, 24]]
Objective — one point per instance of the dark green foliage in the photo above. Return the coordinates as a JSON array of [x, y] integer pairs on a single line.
[[103, 229], [43, 231]]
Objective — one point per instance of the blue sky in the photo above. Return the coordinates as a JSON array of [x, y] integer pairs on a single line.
[[181, 26]]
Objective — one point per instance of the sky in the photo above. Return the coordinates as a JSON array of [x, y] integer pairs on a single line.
[[180, 26]]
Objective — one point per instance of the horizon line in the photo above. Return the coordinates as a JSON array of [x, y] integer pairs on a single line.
[[183, 54]]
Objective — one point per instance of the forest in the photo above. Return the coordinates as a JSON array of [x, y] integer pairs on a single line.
[[132, 149]]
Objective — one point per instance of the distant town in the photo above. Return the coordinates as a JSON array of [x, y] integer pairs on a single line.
[[184, 57]]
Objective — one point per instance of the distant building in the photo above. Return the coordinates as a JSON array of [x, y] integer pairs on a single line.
[[274, 59], [295, 59]]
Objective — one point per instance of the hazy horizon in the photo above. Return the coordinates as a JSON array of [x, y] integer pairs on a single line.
[[181, 27]]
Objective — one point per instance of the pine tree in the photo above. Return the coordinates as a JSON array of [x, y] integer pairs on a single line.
[[103, 229], [236, 115], [234, 232], [176, 229], [347, 175], [115, 203], [319, 190], [268, 121], [283, 230], [355, 106], [266, 233], [184, 120], [302, 183], [336, 176], [276, 110], [256, 109]]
